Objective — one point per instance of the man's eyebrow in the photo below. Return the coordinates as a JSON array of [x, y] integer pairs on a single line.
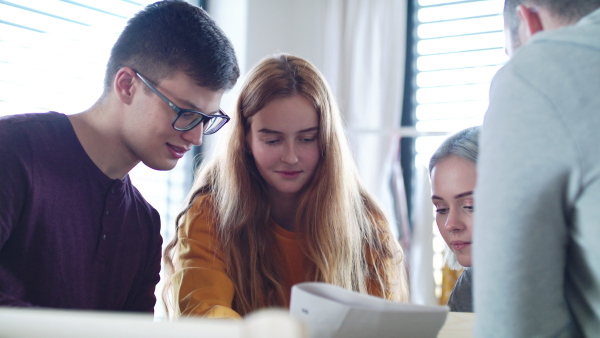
[[194, 107], [271, 131]]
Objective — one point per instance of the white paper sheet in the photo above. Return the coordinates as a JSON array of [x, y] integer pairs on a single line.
[[331, 311], [52, 323]]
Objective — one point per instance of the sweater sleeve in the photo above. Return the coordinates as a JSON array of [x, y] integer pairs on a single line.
[[200, 283], [520, 229], [461, 298], [15, 155]]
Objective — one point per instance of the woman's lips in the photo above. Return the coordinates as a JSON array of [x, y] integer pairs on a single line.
[[459, 245], [289, 173]]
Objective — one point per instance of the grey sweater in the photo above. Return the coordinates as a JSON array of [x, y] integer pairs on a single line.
[[461, 298], [537, 225]]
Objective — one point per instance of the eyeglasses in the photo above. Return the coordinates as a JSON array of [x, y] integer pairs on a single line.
[[187, 119]]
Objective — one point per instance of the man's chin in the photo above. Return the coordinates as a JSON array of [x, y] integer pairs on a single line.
[[162, 166]]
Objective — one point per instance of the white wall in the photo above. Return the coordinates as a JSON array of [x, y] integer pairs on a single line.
[[270, 26], [291, 26], [258, 28]]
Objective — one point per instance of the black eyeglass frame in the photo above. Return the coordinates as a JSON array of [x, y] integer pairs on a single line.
[[223, 118]]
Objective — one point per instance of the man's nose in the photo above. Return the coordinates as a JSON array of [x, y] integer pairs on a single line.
[[194, 135]]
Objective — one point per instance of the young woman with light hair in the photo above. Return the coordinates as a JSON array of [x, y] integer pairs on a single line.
[[281, 203], [453, 173]]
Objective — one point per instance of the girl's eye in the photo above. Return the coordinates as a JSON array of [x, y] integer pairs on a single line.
[[469, 208], [307, 138], [271, 142], [442, 211]]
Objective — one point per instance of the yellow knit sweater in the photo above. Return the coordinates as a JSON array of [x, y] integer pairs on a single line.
[[200, 283]]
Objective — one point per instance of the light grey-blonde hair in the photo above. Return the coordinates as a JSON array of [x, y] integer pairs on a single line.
[[464, 144]]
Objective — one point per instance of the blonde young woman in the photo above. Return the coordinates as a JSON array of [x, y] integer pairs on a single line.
[[279, 205], [453, 173]]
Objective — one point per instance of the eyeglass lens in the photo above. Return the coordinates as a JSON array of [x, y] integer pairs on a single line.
[[189, 120]]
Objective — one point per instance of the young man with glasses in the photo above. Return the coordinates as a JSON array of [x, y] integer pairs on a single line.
[[74, 232]]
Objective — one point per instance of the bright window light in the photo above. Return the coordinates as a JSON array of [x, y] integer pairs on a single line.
[[460, 27], [451, 110], [461, 43], [473, 92], [449, 126], [81, 14], [461, 60], [424, 3], [458, 76], [459, 11], [124, 9], [459, 48]]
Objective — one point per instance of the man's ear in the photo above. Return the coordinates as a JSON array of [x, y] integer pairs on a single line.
[[123, 84], [530, 22]]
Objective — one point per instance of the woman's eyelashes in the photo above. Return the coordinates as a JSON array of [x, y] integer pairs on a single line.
[[444, 210], [467, 205], [441, 209], [308, 139], [301, 139]]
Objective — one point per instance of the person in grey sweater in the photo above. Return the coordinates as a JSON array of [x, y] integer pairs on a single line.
[[537, 226], [452, 169]]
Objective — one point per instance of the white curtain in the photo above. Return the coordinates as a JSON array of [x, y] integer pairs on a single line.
[[363, 59], [421, 253], [364, 49]]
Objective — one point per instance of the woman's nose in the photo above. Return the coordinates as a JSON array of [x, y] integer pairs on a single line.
[[454, 221], [289, 155]]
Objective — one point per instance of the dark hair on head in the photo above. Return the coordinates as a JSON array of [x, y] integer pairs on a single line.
[[172, 35], [569, 11], [464, 143]]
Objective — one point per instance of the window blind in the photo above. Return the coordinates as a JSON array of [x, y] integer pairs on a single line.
[[459, 46]]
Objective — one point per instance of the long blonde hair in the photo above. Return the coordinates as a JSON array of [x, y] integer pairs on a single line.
[[344, 233]]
